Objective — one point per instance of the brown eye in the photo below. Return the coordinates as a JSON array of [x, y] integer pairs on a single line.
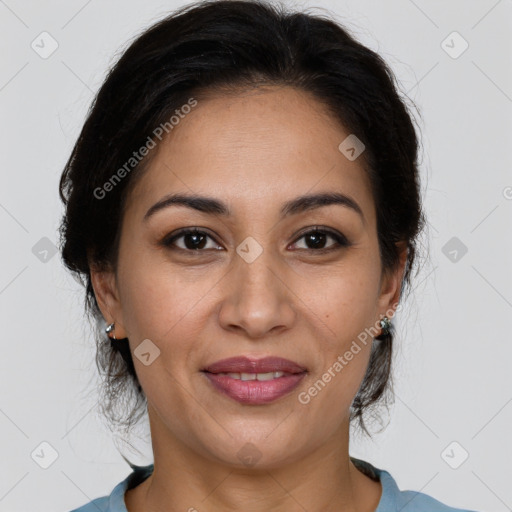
[[193, 240], [317, 239]]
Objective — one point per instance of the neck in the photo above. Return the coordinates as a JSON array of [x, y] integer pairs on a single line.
[[183, 478]]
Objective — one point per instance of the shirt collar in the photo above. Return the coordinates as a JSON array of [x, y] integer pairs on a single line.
[[116, 501]]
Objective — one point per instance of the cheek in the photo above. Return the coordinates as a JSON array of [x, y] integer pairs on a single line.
[[167, 308], [170, 308], [332, 391], [343, 308], [341, 302], [159, 298]]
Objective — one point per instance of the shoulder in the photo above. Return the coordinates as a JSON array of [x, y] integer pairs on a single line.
[[410, 501], [393, 499], [97, 505], [114, 502]]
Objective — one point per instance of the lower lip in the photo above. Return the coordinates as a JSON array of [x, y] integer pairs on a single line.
[[255, 392]]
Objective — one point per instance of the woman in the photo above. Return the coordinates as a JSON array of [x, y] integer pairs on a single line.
[[243, 206]]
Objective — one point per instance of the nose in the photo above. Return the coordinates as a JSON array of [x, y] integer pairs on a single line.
[[257, 299]]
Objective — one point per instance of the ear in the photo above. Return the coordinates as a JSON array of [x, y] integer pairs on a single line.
[[107, 296], [391, 284]]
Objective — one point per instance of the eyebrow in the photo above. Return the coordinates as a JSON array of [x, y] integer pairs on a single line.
[[213, 206]]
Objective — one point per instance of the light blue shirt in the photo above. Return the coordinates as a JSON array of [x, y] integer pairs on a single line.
[[392, 498]]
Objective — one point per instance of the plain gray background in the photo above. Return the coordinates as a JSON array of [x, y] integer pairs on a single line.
[[452, 367]]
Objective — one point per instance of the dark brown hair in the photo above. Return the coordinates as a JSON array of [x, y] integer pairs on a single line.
[[215, 45]]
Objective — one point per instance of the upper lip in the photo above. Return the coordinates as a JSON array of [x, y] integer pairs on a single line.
[[243, 364]]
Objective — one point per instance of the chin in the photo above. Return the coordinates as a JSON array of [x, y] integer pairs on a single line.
[[253, 452]]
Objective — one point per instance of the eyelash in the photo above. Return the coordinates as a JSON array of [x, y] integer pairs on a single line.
[[340, 240]]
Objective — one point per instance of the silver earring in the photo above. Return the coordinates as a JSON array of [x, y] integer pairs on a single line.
[[110, 328], [385, 324]]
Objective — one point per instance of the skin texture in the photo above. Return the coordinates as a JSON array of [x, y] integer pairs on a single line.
[[254, 150]]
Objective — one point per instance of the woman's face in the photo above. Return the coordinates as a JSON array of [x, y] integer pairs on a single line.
[[257, 284]]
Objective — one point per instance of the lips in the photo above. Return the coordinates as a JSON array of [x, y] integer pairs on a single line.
[[231, 377], [243, 364]]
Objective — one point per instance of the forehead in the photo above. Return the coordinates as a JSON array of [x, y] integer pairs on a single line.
[[256, 148]]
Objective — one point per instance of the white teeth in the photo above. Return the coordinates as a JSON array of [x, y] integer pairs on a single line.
[[269, 376], [254, 376]]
